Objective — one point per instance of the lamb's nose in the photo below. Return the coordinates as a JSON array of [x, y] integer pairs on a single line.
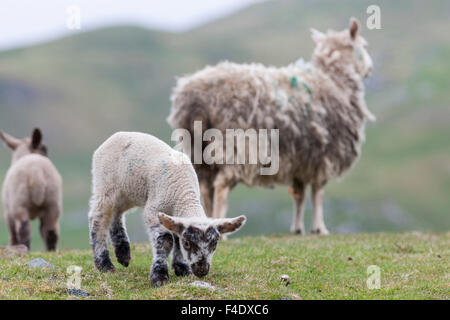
[[200, 270]]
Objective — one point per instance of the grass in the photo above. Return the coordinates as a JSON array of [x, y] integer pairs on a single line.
[[413, 266]]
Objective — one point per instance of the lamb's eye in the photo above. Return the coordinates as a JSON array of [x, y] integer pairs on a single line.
[[186, 244]]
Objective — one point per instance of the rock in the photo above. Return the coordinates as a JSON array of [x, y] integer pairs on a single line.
[[6, 279], [78, 293], [350, 259], [202, 284], [285, 279], [438, 255], [39, 263]]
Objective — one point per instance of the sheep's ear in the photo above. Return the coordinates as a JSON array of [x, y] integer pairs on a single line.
[[10, 141], [317, 36], [354, 27], [230, 225], [36, 138], [171, 223]]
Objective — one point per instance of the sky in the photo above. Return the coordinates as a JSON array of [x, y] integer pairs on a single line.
[[28, 22]]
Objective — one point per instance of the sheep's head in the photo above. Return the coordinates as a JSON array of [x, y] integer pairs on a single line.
[[23, 147], [199, 237], [343, 50]]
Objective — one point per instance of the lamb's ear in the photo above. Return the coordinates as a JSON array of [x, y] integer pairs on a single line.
[[317, 36], [10, 141], [171, 223], [36, 138], [230, 225], [354, 27]]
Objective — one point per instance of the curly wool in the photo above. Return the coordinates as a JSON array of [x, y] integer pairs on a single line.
[[319, 109]]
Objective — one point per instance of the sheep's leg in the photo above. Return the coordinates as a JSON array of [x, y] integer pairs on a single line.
[[99, 221], [13, 240], [179, 265], [207, 191], [49, 227], [22, 227], [119, 239], [299, 194], [318, 226], [221, 193], [162, 244]]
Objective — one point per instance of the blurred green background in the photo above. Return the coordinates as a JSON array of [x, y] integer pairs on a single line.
[[83, 88]]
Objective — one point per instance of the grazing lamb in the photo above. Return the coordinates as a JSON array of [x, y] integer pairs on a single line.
[[138, 170], [32, 189], [318, 107]]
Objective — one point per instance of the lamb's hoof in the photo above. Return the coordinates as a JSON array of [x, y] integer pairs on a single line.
[[320, 231], [159, 279], [123, 255], [125, 261], [181, 269], [298, 231], [105, 266]]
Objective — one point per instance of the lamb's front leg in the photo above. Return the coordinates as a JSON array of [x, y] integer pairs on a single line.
[[179, 265], [162, 244]]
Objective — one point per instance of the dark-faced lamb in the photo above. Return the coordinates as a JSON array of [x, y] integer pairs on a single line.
[[139, 170], [32, 189], [318, 108]]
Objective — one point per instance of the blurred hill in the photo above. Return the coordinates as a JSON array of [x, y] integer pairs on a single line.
[[83, 88]]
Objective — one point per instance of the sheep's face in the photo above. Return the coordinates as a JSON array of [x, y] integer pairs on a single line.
[[199, 237], [345, 49], [23, 147]]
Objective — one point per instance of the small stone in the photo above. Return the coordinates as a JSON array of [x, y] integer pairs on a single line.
[[6, 279], [285, 279], [202, 284], [78, 293], [39, 263], [438, 255], [350, 259]]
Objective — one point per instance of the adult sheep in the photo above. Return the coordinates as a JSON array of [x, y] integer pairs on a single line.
[[318, 107]]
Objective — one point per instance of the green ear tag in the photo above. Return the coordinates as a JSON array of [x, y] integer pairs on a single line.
[[294, 83]]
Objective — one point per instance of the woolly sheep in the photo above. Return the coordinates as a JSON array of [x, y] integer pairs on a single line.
[[32, 189], [133, 169], [318, 107]]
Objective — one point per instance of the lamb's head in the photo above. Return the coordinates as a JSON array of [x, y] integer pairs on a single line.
[[199, 237], [23, 147], [343, 50]]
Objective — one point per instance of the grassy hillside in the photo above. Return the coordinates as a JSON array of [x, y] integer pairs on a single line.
[[82, 88], [412, 266]]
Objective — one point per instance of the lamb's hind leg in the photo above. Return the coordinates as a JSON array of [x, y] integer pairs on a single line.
[[318, 226], [99, 221], [22, 226], [179, 265], [49, 226], [299, 195], [119, 239]]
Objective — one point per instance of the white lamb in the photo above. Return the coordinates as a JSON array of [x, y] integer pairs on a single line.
[[138, 170]]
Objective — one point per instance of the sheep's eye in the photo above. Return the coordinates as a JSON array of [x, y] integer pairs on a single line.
[[186, 244]]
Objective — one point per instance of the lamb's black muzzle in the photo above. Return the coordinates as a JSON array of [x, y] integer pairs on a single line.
[[200, 269]]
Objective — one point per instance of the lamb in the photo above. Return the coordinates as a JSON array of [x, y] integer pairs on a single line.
[[133, 169], [318, 108], [32, 189]]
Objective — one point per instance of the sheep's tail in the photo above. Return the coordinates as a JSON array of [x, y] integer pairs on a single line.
[[37, 185]]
